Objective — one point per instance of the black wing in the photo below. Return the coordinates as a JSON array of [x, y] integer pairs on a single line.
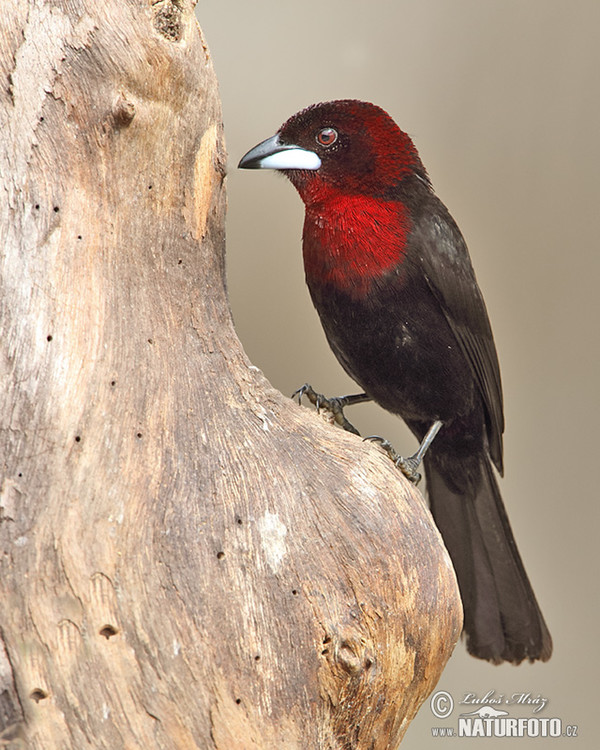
[[448, 271]]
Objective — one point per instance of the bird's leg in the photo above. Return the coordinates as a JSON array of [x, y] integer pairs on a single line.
[[335, 406], [408, 466]]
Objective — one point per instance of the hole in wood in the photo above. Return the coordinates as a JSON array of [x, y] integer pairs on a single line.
[[257, 657], [49, 337], [38, 695], [220, 555], [238, 701], [77, 438], [108, 631]]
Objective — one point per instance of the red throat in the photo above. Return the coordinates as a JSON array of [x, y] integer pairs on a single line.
[[350, 240]]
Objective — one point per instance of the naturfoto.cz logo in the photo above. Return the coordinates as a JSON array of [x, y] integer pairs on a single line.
[[487, 719]]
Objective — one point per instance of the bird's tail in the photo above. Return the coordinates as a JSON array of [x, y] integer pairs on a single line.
[[502, 619]]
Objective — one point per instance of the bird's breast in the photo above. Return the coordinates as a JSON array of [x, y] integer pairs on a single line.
[[351, 240]]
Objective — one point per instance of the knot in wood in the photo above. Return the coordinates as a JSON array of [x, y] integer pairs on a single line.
[[353, 656], [123, 112]]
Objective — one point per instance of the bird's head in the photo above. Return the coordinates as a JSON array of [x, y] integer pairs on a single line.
[[347, 146]]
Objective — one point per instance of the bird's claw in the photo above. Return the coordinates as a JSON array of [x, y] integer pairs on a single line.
[[334, 406], [408, 466], [304, 390], [318, 400]]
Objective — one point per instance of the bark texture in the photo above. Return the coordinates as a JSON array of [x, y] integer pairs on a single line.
[[187, 559]]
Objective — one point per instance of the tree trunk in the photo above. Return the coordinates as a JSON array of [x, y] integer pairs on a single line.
[[188, 559]]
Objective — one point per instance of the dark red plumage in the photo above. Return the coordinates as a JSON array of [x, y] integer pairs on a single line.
[[391, 278]]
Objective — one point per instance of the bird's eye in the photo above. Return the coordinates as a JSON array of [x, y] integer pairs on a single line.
[[327, 137]]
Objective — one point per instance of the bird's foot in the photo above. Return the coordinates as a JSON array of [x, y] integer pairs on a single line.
[[334, 406], [408, 466]]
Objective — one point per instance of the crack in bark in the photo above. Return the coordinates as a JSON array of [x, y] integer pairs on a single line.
[[11, 709]]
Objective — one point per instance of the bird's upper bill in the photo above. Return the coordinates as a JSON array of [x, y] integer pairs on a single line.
[[273, 154]]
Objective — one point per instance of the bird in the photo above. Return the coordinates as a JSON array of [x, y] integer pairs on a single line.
[[390, 276]]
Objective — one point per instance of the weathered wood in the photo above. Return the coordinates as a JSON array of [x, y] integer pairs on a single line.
[[188, 559]]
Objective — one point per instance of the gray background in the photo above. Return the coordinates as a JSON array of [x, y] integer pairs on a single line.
[[502, 100]]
